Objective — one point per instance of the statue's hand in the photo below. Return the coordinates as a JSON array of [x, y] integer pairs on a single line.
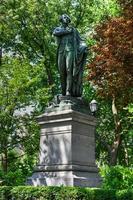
[[57, 31], [68, 29]]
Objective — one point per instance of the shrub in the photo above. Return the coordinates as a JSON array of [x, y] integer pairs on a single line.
[[62, 193], [5, 193], [117, 177], [18, 172], [124, 195]]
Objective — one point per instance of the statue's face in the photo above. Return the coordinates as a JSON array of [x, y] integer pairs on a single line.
[[65, 19]]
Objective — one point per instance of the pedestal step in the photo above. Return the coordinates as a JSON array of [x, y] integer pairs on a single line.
[[65, 178]]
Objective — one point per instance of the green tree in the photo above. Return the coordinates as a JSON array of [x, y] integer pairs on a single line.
[[20, 87]]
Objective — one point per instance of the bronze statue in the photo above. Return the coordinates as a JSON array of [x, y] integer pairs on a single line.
[[71, 57]]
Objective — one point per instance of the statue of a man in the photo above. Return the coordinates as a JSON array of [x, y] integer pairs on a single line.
[[71, 57]]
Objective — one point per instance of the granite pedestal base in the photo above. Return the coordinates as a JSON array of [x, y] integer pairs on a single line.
[[67, 149]]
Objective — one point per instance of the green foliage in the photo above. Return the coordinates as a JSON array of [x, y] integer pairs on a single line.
[[63, 193], [130, 108], [22, 96], [124, 194], [17, 174], [5, 192], [105, 134], [117, 177]]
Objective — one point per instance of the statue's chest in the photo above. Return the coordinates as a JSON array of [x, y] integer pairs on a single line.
[[67, 39]]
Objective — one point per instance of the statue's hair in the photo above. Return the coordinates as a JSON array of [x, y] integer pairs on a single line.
[[61, 18]]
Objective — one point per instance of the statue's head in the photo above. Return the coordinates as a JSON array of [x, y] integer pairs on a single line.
[[65, 19]]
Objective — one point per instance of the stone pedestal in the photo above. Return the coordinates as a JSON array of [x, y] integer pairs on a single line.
[[67, 148]]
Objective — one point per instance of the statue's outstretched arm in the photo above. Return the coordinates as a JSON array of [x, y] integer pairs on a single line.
[[61, 31]]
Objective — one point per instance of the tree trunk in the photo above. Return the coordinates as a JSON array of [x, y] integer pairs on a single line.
[[114, 150], [4, 155], [4, 161], [49, 75], [117, 139], [126, 157]]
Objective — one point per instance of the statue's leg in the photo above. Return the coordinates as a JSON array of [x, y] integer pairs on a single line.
[[62, 70], [69, 69]]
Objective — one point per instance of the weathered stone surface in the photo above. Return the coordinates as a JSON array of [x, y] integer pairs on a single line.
[[66, 178], [67, 149]]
